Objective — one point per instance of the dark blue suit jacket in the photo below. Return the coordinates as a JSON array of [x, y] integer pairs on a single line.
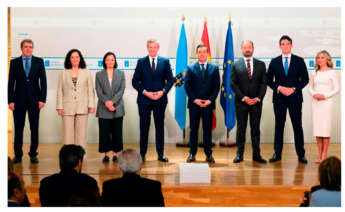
[[21, 87], [145, 79], [198, 88], [297, 78]]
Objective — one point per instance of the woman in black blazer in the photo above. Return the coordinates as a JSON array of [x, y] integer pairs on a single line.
[[110, 86]]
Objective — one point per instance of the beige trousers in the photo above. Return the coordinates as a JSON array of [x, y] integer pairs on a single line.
[[74, 129]]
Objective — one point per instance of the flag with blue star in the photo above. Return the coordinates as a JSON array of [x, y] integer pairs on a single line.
[[227, 98]]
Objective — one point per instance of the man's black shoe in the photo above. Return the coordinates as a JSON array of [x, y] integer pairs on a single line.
[[210, 159], [163, 158], [190, 158], [238, 159], [34, 159], [17, 160], [275, 158], [303, 159], [259, 159]]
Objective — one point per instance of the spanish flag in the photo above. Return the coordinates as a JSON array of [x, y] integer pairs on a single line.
[[206, 42]]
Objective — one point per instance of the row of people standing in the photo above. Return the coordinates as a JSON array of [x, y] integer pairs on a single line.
[[287, 76]]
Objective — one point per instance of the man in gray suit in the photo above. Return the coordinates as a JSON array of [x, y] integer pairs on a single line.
[[248, 81]]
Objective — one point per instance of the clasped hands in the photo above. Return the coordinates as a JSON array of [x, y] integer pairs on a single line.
[[319, 96], [110, 105], [154, 95], [250, 101], [202, 103], [286, 91]]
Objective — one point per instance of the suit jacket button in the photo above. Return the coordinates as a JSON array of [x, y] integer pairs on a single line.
[[28, 80]]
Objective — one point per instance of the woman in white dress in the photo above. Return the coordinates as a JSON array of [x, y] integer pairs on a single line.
[[323, 86]]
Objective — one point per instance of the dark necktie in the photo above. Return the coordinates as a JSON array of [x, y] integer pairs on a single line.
[[249, 69], [203, 71], [153, 65], [27, 66]]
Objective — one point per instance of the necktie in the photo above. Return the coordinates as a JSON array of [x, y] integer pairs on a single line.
[[153, 65], [203, 71], [249, 69], [286, 66], [27, 66]]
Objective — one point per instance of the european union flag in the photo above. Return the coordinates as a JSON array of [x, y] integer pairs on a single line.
[[227, 98], [180, 93]]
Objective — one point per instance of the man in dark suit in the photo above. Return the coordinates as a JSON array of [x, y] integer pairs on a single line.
[[27, 91], [287, 75], [58, 189], [202, 87], [16, 190], [131, 190], [152, 79], [248, 81]]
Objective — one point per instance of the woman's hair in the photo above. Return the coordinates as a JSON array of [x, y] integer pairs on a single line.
[[329, 60], [105, 56], [68, 64], [330, 174]]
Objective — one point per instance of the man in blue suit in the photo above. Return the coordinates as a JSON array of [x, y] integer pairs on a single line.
[[202, 85], [287, 75], [152, 79], [27, 91]]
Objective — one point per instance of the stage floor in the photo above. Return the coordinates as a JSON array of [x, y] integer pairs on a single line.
[[224, 172]]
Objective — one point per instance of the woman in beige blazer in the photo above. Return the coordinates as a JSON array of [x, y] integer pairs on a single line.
[[75, 98]]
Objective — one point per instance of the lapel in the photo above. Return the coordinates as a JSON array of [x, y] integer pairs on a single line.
[[159, 63], [106, 80], [243, 67], [197, 69], [115, 80], [254, 72], [280, 62], [33, 63], [21, 65], [69, 77], [148, 65]]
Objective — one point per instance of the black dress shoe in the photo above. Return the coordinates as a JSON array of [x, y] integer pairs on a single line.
[[275, 158], [163, 158], [115, 159], [190, 158], [17, 160], [238, 159], [259, 159], [34, 159], [105, 159], [303, 159], [210, 159]]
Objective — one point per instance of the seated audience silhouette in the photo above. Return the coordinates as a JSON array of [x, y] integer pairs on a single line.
[[131, 189], [329, 195], [56, 190]]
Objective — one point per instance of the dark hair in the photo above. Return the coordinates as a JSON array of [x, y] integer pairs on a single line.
[[285, 37], [70, 155], [14, 182], [201, 46], [330, 174], [105, 56], [26, 41], [84, 197], [68, 64]]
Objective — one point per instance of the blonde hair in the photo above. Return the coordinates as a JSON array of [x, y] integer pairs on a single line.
[[152, 41], [329, 60]]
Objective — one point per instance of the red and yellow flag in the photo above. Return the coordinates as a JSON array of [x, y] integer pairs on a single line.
[[206, 42]]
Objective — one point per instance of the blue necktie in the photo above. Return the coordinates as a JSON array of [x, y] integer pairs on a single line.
[[27, 66], [286, 66]]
